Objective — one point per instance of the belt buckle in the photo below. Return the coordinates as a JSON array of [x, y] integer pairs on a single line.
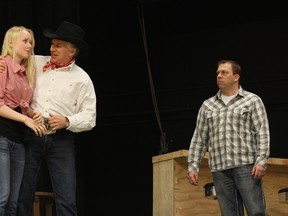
[[49, 130]]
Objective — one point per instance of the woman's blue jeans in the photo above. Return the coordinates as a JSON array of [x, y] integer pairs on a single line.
[[235, 188], [12, 159], [58, 152]]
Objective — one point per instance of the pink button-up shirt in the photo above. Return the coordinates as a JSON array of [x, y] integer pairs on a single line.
[[14, 88]]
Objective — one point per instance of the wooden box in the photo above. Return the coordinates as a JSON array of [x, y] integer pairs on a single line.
[[173, 195]]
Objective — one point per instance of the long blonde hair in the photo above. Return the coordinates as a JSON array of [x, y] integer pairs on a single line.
[[12, 35]]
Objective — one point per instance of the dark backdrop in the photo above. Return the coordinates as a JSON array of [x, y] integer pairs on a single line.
[[184, 39]]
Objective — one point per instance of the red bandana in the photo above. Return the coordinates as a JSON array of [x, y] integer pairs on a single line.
[[54, 65]]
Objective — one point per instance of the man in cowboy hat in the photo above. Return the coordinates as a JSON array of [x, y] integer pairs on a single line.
[[65, 96]]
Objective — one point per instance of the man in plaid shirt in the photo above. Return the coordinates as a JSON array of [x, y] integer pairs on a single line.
[[233, 127]]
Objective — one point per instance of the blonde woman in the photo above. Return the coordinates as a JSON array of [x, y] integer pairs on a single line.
[[16, 90]]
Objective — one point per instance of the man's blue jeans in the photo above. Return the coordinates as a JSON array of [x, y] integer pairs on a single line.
[[235, 187], [58, 151], [12, 159]]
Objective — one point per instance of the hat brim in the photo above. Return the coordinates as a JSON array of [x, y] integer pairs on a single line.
[[82, 45]]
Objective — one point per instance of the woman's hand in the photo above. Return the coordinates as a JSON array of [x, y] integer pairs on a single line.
[[37, 116], [37, 126]]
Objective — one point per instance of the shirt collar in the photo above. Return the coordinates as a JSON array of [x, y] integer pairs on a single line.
[[17, 68]]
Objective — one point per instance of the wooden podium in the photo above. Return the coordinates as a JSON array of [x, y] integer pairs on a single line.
[[173, 195]]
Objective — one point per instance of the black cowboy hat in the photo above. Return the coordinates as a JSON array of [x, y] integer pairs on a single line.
[[72, 33]]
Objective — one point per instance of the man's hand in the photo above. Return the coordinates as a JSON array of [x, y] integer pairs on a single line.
[[258, 171], [193, 178], [57, 122], [2, 66]]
